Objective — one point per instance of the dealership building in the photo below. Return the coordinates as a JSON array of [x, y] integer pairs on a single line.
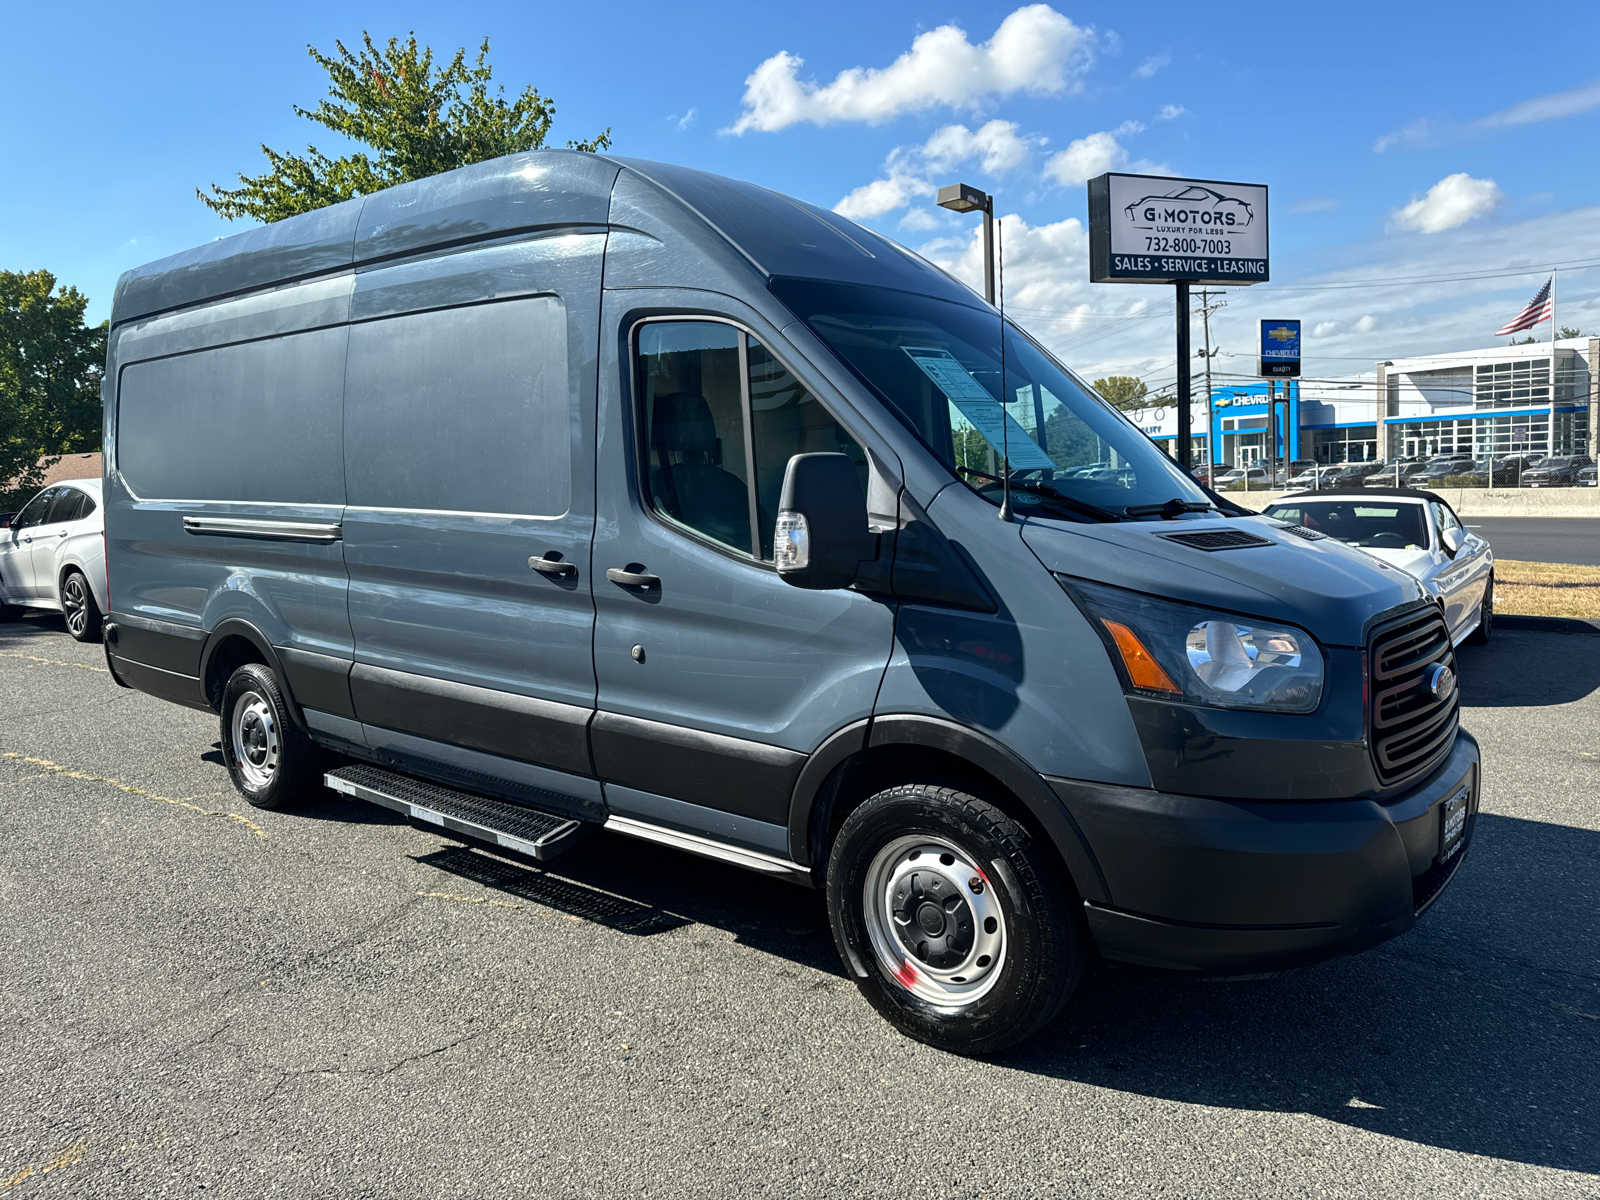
[[1484, 403]]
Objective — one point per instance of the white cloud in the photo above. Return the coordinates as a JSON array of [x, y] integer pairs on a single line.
[[1545, 108], [1151, 65], [1426, 132], [1171, 112], [1035, 50], [919, 220], [1366, 324], [996, 143], [1324, 328], [1454, 200], [1096, 154], [686, 120], [997, 146]]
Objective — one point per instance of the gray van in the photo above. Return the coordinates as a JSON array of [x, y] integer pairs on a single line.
[[567, 491]]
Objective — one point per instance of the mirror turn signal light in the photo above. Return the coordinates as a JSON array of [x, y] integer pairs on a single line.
[[1142, 667]]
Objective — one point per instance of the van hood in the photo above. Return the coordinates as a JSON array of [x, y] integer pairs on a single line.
[[1327, 588]]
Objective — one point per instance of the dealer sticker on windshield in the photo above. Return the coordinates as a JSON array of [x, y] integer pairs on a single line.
[[982, 411], [1453, 824]]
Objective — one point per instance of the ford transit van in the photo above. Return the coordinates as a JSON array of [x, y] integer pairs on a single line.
[[567, 492]]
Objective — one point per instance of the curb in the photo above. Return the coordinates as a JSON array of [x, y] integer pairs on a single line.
[[1578, 625]]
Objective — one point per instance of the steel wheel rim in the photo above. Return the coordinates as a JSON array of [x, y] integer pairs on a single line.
[[72, 599], [935, 961], [256, 746]]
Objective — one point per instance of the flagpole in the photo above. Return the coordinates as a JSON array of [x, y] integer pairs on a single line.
[[1550, 439]]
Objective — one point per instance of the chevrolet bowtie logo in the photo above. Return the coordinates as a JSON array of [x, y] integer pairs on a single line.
[[1281, 334]]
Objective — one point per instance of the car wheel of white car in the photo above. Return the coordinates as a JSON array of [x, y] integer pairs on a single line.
[[1480, 635], [79, 607]]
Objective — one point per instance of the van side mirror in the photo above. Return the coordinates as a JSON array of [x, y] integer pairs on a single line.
[[822, 533], [1453, 540]]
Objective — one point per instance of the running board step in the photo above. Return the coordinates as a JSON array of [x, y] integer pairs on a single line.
[[517, 827]]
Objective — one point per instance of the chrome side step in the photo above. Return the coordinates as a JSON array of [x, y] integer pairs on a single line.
[[750, 860], [529, 831]]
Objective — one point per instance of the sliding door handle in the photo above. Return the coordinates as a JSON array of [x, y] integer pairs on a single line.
[[551, 564], [632, 576]]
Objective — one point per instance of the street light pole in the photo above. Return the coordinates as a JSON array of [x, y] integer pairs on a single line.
[[962, 198]]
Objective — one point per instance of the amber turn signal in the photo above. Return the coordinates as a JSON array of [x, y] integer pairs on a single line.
[[1142, 667]]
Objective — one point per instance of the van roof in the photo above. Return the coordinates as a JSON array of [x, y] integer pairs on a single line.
[[752, 229]]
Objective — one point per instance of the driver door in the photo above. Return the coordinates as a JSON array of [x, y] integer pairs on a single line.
[[16, 546]]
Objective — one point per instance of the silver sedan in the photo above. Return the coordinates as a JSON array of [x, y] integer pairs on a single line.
[[1417, 532]]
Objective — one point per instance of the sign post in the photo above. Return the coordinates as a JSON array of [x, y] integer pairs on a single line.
[[1156, 229]]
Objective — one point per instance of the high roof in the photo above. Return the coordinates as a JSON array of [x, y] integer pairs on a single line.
[[746, 229]]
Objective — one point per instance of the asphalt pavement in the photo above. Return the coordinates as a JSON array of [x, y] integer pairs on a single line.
[[1541, 539], [203, 999]]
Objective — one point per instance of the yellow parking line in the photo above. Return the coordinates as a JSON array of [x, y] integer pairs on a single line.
[[467, 899], [54, 662], [63, 1158], [68, 773]]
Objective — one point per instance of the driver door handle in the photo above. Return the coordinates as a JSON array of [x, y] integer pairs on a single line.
[[553, 566], [632, 576], [27, 537]]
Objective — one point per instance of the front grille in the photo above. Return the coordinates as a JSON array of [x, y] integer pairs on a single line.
[[1218, 539], [1411, 728]]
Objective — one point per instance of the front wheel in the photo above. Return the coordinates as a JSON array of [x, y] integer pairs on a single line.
[[271, 760], [1480, 635], [952, 921]]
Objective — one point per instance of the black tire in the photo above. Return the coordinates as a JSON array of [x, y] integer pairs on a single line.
[[83, 616], [1040, 955], [270, 759], [1480, 635]]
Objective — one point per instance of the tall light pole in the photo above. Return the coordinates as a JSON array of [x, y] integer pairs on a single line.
[[962, 198]]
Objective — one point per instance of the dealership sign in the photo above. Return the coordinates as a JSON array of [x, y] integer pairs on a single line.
[[1280, 349], [1155, 229]]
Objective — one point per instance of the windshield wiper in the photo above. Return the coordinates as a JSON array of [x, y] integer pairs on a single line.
[[1172, 508], [1036, 488]]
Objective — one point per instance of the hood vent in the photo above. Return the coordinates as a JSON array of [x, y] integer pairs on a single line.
[[1219, 539], [1300, 531]]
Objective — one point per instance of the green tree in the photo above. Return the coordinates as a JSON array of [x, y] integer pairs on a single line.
[[50, 368], [1570, 331], [417, 120], [1124, 391]]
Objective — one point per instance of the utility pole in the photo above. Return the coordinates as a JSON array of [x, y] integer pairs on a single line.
[[1206, 309]]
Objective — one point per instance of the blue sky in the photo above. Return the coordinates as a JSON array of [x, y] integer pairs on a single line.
[[1412, 146]]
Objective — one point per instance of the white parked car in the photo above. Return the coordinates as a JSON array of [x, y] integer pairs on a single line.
[[53, 556], [1417, 532], [1317, 478]]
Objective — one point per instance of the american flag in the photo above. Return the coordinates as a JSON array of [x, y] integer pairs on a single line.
[[1539, 309]]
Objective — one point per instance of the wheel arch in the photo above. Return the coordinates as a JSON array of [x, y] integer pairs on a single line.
[[228, 647], [863, 758]]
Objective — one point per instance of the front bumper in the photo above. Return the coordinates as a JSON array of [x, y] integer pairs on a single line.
[[1233, 888]]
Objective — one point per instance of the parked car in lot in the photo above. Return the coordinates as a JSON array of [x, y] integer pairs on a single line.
[[1508, 471], [1352, 474], [1557, 471], [1255, 476], [1316, 478], [1442, 468], [710, 552], [53, 556], [1395, 474], [1416, 531], [1586, 476]]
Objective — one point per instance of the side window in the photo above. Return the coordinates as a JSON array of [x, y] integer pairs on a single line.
[[86, 505], [787, 420], [33, 513], [720, 410], [692, 409], [67, 506]]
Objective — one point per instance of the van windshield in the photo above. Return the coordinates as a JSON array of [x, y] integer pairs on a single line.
[[937, 366]]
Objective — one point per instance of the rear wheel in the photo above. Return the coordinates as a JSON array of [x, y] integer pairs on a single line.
[[952, 921], [79, 607], [271, 760], [1480, 635]]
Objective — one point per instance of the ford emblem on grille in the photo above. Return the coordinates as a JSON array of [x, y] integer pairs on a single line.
[[1441, 682]]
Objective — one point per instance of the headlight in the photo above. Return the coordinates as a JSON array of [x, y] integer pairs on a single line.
[[1173, 650]]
